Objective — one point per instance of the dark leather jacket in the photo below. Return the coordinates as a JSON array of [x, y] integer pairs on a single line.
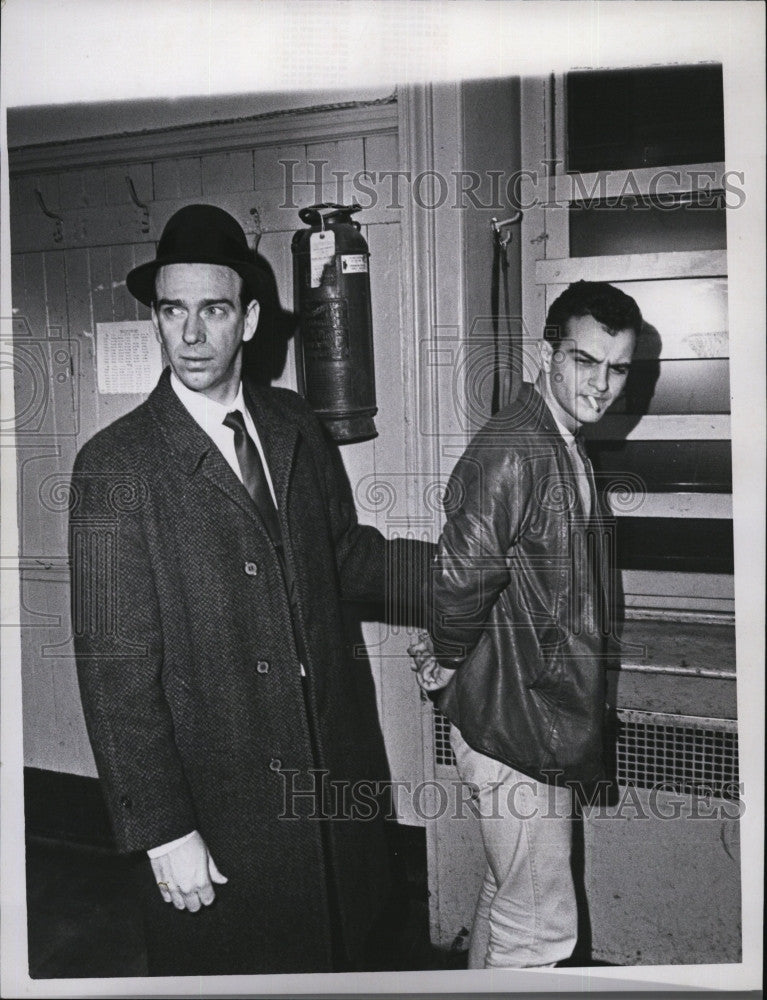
[[520, 600]]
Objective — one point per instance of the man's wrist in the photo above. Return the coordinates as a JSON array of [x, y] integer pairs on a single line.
[[157, 852]]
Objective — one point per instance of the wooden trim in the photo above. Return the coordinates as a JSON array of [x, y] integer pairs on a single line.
[[641, 668], [418, 309], [533, 232], [709, 505], [557, 243], [317, 124], [671, 613], [669, 584], [557, 122], [557, 216], [644, 181], [663, 644], [430, 138], [415, 146], [674, 718], [430, 141], [633, 267], [663, 427]]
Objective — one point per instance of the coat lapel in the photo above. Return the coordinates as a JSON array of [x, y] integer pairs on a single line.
[[279, 438], [191, 448]]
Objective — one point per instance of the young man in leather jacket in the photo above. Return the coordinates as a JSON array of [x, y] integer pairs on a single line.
[[522, 623]]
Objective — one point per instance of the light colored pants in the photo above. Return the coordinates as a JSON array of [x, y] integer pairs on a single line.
[[526, 913]]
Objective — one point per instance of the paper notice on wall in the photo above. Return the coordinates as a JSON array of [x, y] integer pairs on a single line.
[[128, 357]]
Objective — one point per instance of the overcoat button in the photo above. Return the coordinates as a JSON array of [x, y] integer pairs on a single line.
[[262, 666], [126, 802], [251, 568], [275, 764]]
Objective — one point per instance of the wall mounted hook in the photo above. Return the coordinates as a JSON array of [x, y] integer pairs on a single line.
[[504, 238], [258, 227], [58, 231], [144, 208]]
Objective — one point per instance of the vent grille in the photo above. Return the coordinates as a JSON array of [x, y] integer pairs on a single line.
[[680, 753], [443, 752], [684, 754]]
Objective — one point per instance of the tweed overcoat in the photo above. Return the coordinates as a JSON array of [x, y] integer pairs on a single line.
[[190, 679]]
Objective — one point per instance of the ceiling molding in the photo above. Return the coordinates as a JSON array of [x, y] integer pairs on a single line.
[[324, 124]]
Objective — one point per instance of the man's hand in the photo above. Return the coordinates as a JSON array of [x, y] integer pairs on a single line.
[[185, 875], [429, 674]]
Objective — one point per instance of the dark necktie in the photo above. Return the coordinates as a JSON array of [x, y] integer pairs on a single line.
[[253, 475]]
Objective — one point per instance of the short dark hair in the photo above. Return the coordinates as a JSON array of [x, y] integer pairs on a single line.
[[246, 296], [607, 304]]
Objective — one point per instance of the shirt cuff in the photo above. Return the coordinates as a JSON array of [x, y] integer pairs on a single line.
[[157, 852]]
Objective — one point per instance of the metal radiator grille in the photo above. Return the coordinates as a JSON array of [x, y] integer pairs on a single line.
[[676, 752], [443, 752], [679, 753]]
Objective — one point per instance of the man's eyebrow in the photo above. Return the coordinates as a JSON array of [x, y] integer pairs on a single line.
[[204, 302], [590, 357], [218, 302], [584, 354]]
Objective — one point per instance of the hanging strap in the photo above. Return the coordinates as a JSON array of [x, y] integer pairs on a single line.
[[495, 287], [507, 368]]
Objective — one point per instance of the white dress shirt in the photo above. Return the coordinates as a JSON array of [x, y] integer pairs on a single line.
[[210, 415], [582, 472]]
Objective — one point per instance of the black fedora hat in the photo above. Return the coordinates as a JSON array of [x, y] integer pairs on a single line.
[[200, 234]]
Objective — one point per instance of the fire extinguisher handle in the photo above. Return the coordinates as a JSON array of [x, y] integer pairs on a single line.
[[313, 215]]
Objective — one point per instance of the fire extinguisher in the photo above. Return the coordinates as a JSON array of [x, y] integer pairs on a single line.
[[334, 345]]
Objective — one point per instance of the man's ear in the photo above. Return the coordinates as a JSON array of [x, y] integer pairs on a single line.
[[546, 351], [156, 324], [251, 320]]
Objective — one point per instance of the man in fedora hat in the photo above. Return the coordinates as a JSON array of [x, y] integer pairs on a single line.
[[212, 543]]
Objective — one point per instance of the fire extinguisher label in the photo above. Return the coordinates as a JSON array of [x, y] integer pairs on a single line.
[[322, 250], [354, 263]]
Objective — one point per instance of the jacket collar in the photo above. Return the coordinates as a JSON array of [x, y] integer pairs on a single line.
[[526, 414], [543, 415], [545, 419], [540, 418]]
